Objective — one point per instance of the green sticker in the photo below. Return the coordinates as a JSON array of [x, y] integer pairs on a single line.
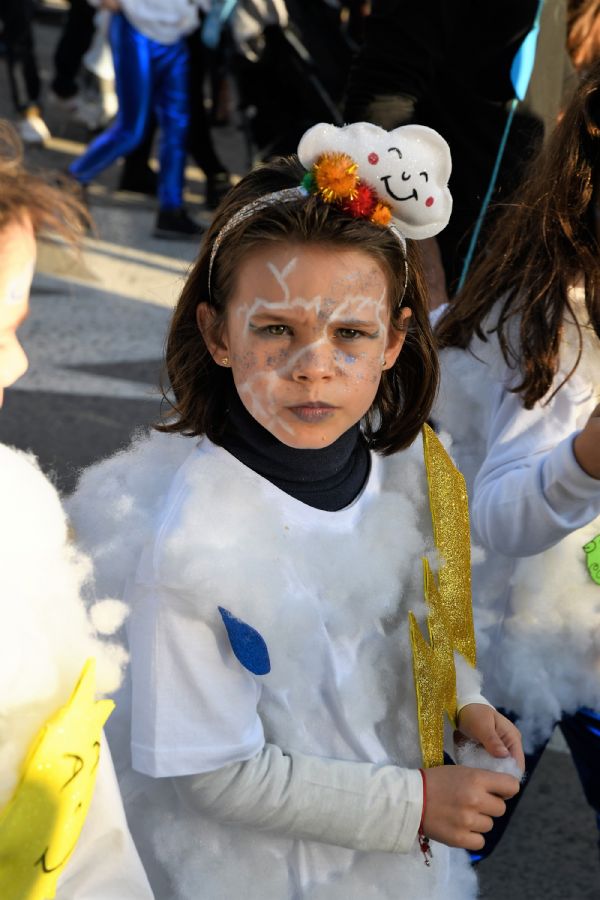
[[592, 551]]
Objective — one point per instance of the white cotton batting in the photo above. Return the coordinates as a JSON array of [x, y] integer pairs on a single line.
[[469, 753], [46, 634]]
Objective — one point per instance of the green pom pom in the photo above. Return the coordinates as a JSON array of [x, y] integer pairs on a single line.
[[309, 183]]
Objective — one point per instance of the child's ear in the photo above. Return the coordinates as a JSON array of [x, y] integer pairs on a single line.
[[395, 339], [214, 337]]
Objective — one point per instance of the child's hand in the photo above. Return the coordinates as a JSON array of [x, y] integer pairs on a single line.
[[496, 734], [586, 445], [461, 804]]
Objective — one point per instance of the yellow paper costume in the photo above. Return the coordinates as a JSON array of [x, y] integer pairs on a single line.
[[41, 824]]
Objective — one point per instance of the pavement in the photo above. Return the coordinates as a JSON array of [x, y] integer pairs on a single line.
[[95, 339]]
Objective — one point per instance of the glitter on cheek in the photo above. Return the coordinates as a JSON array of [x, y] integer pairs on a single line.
[[244, 363], [277, 360]]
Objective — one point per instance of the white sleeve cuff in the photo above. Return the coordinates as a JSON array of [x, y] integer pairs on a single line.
[[471, 698], [561, 469]]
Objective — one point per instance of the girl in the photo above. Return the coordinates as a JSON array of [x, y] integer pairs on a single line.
[[50, 745], [272, 551], [521, 405]]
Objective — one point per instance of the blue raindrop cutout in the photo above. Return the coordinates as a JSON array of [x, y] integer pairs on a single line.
[[248, 645]]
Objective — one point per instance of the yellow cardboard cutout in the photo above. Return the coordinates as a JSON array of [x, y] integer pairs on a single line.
[[42, 822]]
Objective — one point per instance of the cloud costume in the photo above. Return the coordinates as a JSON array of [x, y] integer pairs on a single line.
[[188, 529], [46, 637]]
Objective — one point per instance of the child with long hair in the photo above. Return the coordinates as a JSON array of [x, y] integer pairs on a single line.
[[270, 538], [62, 825], [520, 392]]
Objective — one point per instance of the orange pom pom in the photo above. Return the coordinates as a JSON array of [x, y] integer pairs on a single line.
[[381, 215], [336, 177]]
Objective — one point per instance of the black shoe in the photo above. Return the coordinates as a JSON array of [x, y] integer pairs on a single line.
[[67, 182], [144, 181], [176, 224], [217, 186]]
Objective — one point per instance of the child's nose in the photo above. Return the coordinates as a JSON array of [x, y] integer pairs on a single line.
[[315, 364]]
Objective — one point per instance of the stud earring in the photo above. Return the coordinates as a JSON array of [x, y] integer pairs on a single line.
[[225, 361]]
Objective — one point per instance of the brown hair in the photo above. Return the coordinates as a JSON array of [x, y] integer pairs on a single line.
[[542, 244], [200, 387], [583, 32], [48, 199]]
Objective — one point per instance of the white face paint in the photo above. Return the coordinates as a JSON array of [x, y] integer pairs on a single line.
[[17, 263], [307, 333]]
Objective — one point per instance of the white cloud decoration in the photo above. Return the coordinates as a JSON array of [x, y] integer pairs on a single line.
[[408, 167]]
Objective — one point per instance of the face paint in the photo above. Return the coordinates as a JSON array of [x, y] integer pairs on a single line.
[[305, 332], [17, 262]]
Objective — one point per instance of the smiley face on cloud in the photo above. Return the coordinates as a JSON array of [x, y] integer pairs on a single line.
[[408, 167]]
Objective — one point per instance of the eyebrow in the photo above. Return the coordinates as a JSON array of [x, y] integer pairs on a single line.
[[271, 316], [278, 317], [355, 323]]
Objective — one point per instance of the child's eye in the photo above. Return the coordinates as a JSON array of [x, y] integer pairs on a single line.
[[349, 334], [277, 330]]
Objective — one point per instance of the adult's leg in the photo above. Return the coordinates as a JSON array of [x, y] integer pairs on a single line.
[[582, 734], [171, 96], [72, 45], [23, 75], [133, 78], [137, 175], [200, 142]]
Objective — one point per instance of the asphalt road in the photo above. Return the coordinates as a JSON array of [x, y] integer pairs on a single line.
[[95, 338]]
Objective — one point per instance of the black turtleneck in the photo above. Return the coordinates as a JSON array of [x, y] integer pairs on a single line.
[[329, 478]]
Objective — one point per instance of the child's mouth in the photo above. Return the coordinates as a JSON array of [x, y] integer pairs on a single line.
[[312, 412]]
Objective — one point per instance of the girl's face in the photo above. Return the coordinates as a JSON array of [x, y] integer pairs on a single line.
[[307, 335], [17, 263]]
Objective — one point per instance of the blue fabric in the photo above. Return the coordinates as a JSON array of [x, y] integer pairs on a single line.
[[247, 644], [582, 735], [148, 76]]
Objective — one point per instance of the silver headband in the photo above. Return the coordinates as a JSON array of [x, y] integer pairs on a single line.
[[286, 195]]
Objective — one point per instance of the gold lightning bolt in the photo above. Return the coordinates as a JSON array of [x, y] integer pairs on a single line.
[[450, 619]]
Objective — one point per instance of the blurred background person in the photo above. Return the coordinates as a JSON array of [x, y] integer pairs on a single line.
[[23, 72], [151, 63], [448, 64]]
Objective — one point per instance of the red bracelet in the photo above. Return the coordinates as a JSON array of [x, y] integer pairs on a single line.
[[423, 839]]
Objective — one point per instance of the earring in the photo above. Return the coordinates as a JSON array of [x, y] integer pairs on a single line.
[[225, 361]]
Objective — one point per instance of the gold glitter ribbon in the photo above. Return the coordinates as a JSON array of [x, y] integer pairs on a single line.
[[450, 619]]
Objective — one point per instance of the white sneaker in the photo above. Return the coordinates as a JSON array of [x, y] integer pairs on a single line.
[[32, 128]]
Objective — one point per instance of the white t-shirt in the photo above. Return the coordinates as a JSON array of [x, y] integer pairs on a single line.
[[164, 21]]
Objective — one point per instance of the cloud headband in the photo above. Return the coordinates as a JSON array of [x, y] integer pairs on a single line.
[[396, 179]]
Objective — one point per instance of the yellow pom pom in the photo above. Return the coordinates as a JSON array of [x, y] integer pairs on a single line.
[[336, 177], [381, 215]]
